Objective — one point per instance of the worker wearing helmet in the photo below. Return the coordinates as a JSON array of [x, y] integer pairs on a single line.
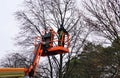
[[47, 39], [61, 35]]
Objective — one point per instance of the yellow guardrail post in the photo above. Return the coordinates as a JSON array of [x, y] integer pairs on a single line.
[[12, 72]]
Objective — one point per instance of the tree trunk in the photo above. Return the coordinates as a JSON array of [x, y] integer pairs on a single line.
[[60, 66]]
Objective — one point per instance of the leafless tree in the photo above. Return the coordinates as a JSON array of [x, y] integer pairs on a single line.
[[38, 15], [103, 16], [15, 60]]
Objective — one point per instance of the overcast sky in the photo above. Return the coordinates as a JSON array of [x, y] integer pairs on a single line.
[[8, 25]]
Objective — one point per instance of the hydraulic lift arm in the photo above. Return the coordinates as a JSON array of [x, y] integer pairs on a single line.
[[32, 68], [60, 46], [21, 72]]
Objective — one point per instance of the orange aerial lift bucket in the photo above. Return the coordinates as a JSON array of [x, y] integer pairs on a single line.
[[54, 45], [45, 45], [54, 51]]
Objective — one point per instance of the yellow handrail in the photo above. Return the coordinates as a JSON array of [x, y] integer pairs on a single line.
[[12, 72]]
